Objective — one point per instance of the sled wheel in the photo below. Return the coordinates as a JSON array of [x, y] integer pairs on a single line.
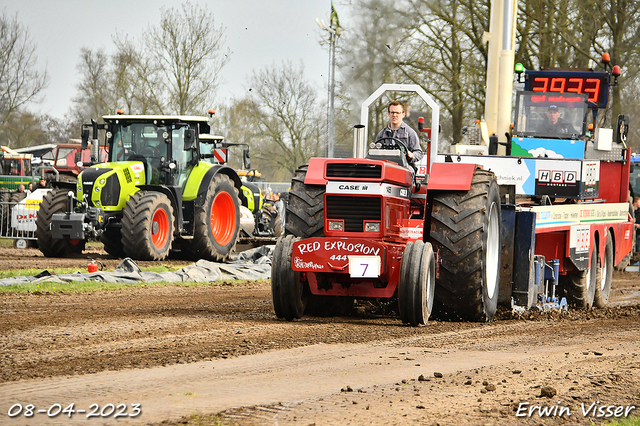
[[304, 216], [54, 202], [465, 230], [417, 284], [604, 275], [626, 261], [217, 221], [147, 226], [580, 286], [288, 292]]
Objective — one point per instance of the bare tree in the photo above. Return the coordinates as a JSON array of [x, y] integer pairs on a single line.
[[442, 52], [173, 68], [20, 81], [95, 88], [138, 78], [366, 60], [190, 49], [621, 33], [284, 108]]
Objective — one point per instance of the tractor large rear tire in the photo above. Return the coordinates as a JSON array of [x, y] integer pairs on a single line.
[[217, 222], [16, 197], [147, 226], [580, 287], [604, 275], [305, 207], [417, 283], [52, 203], [465, 229], [288, 292]]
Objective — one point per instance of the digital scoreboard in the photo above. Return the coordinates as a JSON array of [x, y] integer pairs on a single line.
[[593, 84]]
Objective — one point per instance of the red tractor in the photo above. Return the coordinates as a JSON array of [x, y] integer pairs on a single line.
[[362, 228], [540, 227]]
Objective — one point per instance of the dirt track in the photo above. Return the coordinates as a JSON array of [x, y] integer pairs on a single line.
[[220, 349]]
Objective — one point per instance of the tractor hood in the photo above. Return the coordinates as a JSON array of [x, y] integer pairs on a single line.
[[109, 185]]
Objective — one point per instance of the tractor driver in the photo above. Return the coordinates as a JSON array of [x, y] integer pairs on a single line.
[[555, 125], [400, 130]]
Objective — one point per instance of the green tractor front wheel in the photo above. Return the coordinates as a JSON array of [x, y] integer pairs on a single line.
[[147, 226], [54, 202]]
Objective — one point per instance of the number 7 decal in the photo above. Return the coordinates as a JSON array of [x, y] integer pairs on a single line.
[[364, 266]]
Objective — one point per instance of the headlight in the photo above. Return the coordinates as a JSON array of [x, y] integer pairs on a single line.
[[379, 145], [372, 226], [335, 225]]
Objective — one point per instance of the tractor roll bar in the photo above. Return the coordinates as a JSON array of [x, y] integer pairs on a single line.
[[360, 141]]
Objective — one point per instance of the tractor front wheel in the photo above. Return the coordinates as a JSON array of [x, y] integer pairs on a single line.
[[417, 283], [465, 230], [147, 226], [288, 292], [217, 221], [53, 203], [112, 240]]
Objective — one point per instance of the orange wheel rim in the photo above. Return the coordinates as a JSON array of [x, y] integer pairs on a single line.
[[160, 228], [223, 218]]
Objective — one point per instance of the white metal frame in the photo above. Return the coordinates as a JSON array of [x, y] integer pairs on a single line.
[[360, 151]]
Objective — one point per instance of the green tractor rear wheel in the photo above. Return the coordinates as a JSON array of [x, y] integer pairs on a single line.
[[147, 226], [217, 222]]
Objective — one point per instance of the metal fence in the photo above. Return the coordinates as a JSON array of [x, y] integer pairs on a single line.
[[18, 220]]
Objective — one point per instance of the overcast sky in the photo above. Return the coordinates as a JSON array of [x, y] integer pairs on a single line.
[[259, 33]]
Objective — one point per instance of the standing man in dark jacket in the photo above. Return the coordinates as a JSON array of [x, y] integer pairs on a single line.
[[400, 130]]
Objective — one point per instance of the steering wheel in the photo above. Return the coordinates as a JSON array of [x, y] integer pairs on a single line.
[[394, 143], [149, 151]]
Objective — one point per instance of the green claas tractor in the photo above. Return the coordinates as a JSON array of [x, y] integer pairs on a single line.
[[153, 196]]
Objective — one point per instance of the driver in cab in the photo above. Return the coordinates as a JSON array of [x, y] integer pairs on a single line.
[[398, 129], [556, 125]]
